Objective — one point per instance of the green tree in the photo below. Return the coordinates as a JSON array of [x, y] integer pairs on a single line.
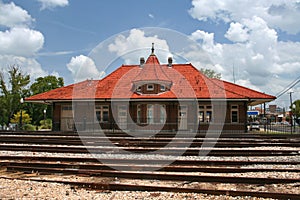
[[12, 93], [43, 84], [296, 110], [211, 73], [26, 119]]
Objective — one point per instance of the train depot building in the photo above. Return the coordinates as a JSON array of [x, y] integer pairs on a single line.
[[152, 96]]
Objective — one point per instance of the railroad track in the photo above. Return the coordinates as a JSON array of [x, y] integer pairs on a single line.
[[186, 173]]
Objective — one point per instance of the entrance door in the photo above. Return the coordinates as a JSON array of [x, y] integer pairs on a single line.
[[182, 117], [67, 121], [122, 117]]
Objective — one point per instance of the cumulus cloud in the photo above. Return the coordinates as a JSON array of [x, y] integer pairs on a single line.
[[278, 14], [50, 4], [255, 58], [82, 68], [127, 46], [12, 15], [237, 32], [27, 65], [20, 42], [258, 62]]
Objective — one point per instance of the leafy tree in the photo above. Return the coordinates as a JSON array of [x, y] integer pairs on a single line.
[[296, 110], [26, 119], [12, 93], [210, 73], [43, 84]]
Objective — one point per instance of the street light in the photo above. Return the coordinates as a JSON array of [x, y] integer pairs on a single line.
[[21, 114], [293, 117], [45, 111]]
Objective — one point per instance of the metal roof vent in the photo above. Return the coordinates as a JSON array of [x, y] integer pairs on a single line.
[[142, 61], [170, 61]]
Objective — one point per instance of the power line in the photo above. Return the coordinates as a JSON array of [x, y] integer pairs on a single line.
[[291, 85]]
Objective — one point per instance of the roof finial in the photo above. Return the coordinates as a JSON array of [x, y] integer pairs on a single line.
[[152, 50]]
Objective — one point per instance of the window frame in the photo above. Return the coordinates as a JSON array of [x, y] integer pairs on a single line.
[[234, 108], [150, 87], [100, 111]]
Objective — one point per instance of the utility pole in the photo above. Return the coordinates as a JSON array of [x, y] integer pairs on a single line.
[[291, 113]]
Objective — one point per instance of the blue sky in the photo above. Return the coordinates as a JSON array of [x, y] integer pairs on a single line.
[[260, 40]]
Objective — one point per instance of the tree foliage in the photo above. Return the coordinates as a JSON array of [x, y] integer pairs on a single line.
[[296, 110], [26, 119], [211, 73], [14, 86], [12, 93], [43, 84]]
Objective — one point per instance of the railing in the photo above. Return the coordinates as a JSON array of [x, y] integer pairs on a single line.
[[280, 128]]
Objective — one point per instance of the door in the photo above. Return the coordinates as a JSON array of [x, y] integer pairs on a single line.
[[122, 117], [182, 117], [67, 121]]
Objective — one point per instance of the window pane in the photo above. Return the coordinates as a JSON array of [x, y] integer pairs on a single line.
[[208, 116], [234, 116], [163, 114], [150, 87], [201, 116], [150, 114], [105, 116], [98, 115]]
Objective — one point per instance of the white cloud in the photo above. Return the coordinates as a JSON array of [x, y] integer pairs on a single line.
[[278, 14], [50, 4], [27, 65], [12, 15], [260, 62], [126, 47], [151, 16], [237, 32], [82, 68], [20, 42]]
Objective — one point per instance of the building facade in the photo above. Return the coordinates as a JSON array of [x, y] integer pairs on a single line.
[[152, 96]]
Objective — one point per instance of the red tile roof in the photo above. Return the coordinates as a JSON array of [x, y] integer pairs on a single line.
[[187, 82], [152, 71]]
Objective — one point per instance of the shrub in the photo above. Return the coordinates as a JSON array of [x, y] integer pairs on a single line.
[[46, 124], [29, 127]]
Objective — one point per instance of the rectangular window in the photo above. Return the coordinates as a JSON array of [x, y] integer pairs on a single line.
[[208, 115], [163, 114], [162, 88], [150, 114], [205, 113], [201, 114], [234, 114], [138, 114], [150, 87], [102, 113]]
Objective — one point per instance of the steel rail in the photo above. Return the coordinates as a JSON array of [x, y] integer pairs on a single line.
[[143, 167], [165, 151], [156, 175], [128, 161], [124, 143], [112, 186]]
